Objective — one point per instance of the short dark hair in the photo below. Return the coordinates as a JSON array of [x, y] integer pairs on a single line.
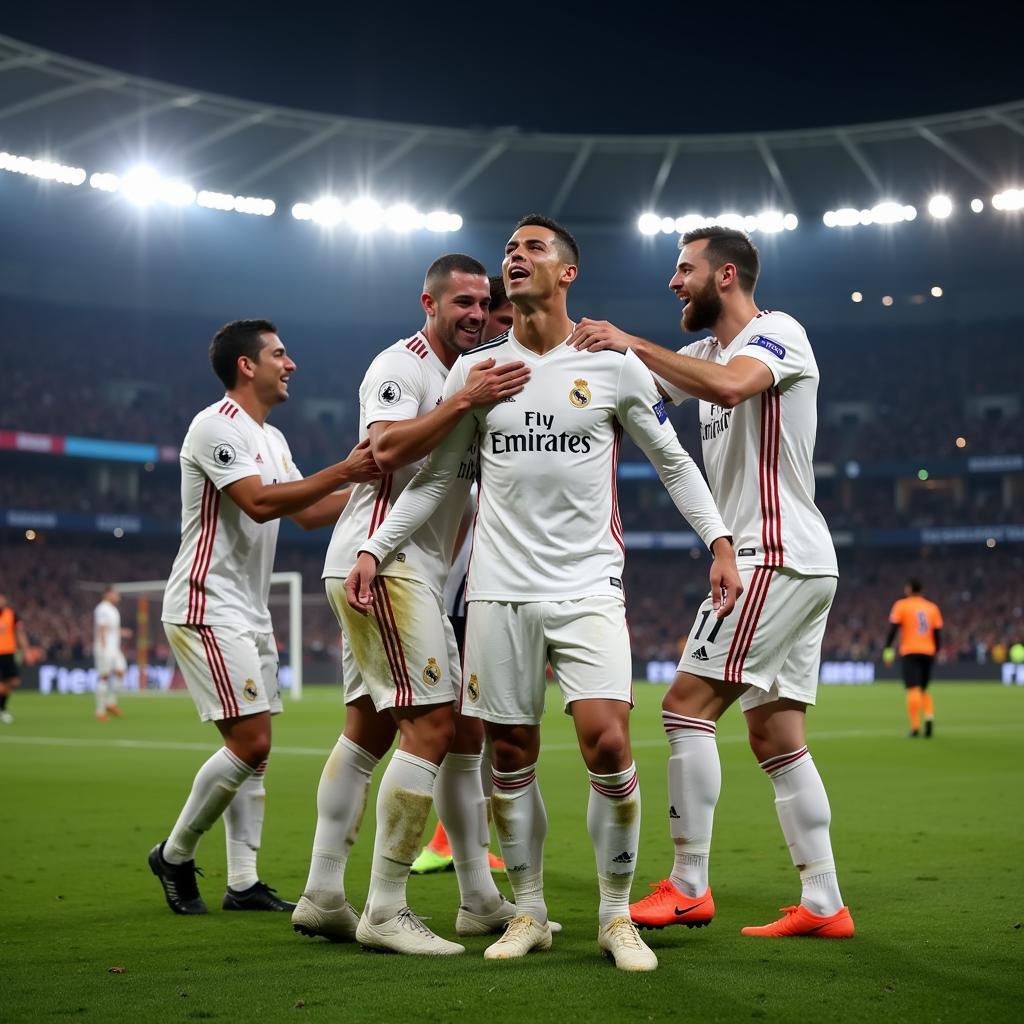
[[915, 586], [236, 339], [498, 296], [728, 245], [569, 246], [443, 267]]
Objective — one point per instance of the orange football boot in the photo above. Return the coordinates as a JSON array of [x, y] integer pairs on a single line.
[[495, 863], [102, 716], [667, 905], [801, 921], [113, 709]]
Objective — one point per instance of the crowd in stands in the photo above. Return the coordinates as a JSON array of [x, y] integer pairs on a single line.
[[143, 379], [54, 584]]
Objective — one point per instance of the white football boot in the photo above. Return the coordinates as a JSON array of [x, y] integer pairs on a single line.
[[523, 934], [621, 941], [333, 918], [404, 933]]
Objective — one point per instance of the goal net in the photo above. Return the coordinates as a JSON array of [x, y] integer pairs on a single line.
[[141, 603]]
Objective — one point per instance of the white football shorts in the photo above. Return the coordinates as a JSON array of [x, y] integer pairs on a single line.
[[509, 644], [771, 643], [230, 672], [109, 663], [403, 653]]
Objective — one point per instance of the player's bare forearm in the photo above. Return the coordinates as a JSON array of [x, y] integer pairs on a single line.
[[325, 512], [264, 502]]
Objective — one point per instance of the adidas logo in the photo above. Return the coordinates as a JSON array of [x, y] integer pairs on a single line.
[[700, 654], [672, 813], [520, 867], [623, 858]]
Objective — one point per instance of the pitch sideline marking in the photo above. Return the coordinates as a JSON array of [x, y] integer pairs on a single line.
[[116, 744]]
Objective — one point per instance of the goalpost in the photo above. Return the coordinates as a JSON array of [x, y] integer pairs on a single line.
[[144, 590]]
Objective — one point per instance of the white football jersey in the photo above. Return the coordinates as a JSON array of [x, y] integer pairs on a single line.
[[404, 382], [759, 456], [548, 526], [106, 614], [221, 575]]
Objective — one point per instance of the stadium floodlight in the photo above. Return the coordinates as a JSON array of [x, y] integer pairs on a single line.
[[104, 181], [648, 224], [441, 222], [730, 220], [236, 204], [887, 300], [364, 214], [302, 211], [143, 186], [977, 205], [790, 221], [689, 222], [46, 170], [327, 211], [845, 217], [856, 297], [889, 212], [668, 225], [936, 291], [402, 217], [940, 206], [1010, 199]]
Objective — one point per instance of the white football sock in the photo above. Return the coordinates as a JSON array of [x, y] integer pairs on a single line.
[[522, 825], [403, 804], [804, 814], [462, 808], [101, 696], [694, 785], [613, 821], [115, 689], [340, 804], [243, 830], [215, 786]]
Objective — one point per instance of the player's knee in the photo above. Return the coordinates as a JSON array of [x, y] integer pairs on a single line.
[[608, 751], [508, 756], [469, 735]]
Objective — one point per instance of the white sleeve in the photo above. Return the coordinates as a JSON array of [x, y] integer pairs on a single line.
[[427, 489], [641, 411], [221, 450], [675, 395], [783, 351], [393, 386]]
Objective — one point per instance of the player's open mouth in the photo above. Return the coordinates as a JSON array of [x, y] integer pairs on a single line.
[[518, 274]]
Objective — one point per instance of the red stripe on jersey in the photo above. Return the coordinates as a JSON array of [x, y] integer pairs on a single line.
[[225, 675], [209, 509], [380, 506], [616, 521], [224, 406], [745, 627], [771, 512]]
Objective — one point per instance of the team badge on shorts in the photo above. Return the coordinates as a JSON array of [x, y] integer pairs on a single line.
[[249, 691], [473, 688], [432, 672], [579, 394]]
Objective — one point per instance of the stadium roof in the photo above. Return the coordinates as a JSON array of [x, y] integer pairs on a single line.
[[59, 108]]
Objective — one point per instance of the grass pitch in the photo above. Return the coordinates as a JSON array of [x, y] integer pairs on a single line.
[[929, 839]]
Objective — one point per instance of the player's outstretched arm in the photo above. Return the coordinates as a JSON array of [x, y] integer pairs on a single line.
[[727, 385], [263, 502], [398, 443], [325, 512]]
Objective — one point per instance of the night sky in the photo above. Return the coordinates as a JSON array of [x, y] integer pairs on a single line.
[[560, 67]]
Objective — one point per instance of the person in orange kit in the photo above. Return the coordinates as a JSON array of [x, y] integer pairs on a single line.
[[919, 623]]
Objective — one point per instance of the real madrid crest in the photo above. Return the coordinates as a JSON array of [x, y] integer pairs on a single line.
[[579, 394], [249, 691], [432, 672], [473, 688]]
